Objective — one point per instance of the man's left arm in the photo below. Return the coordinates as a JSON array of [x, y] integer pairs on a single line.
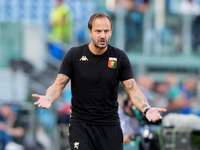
[[140, 101]]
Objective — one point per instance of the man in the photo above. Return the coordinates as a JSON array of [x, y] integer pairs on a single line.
[[61, 22], [61, 29], [11, 133], [181, 96], [95, 70]]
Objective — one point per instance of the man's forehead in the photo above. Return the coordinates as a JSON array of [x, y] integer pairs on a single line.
[[101, 22]]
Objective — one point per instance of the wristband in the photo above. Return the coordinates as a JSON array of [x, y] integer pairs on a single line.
[[145, 111]]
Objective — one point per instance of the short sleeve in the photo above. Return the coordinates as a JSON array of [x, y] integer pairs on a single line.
[[67, 64], [126, 71]]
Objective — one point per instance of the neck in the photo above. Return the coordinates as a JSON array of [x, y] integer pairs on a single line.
[[95, 50]]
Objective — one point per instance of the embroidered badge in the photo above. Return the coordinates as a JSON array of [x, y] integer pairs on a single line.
[[76, 145], [112, 62]]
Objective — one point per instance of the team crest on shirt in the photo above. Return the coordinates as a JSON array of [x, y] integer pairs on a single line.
[[112, 62]]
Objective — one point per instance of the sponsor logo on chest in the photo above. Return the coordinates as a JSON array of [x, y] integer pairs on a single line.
[[83, 58]]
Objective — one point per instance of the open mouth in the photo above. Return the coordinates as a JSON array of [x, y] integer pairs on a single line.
[[102, 41]]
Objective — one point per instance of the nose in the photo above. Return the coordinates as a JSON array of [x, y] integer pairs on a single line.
[[102, 35]]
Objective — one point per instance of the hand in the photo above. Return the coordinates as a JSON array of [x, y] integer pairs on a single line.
[[154, 115], [126, 139], [43, 101]]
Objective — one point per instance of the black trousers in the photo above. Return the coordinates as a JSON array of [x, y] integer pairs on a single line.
[[83, 136]]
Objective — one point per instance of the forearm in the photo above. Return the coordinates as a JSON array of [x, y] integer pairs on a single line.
[[54, 91], [139, 100], [136, 96]]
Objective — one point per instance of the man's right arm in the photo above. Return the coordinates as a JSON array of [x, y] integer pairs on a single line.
[[53, 92]]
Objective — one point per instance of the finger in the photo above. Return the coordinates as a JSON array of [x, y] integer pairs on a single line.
[[149, 120], [44, 107], [153, 121], [40, 105], [47, 107], [35, 95], [156, 119], [36, 103], [159, 116], [162, 110]]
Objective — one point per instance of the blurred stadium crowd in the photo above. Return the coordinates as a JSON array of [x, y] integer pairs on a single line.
[[161, 38]]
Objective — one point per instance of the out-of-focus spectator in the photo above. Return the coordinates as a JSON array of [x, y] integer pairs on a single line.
[[160, 97], [61, 22], [4, 137], [128, 4], [61, 28], [10, 130], [174, 95], [171, 80], [189, 7], [181, 97], [162, 90], [140, 5], [129, 123], [128, 15]]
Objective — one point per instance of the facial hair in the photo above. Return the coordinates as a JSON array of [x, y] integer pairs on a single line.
[[97, 46]]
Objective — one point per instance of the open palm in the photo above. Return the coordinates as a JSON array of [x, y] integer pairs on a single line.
[[43, 101], [153, 114]]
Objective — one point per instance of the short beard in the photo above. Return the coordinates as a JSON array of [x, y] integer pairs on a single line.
[[96, 45]]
